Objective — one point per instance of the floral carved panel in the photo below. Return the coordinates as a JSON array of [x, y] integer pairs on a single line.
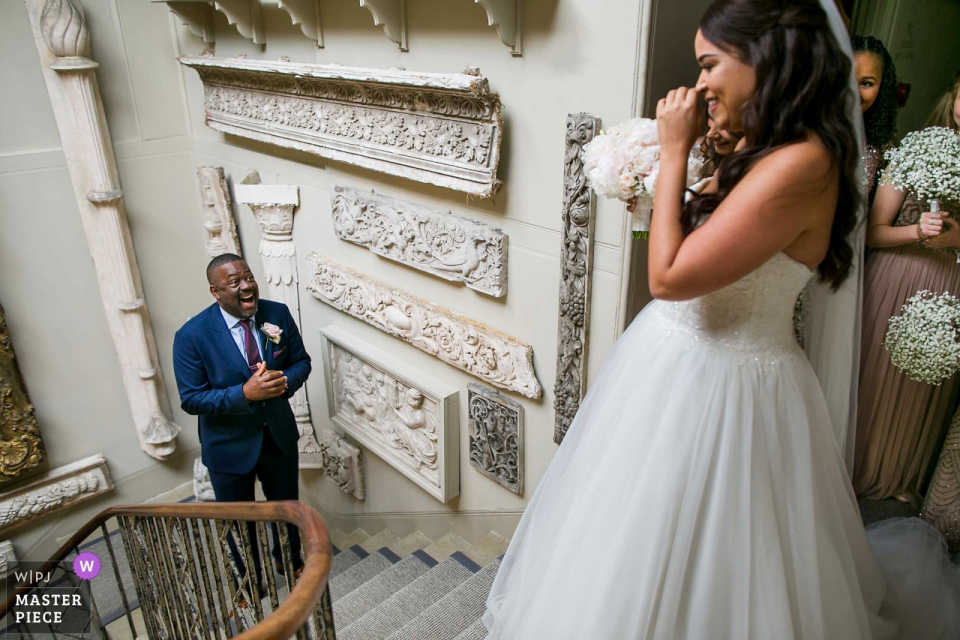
[[481, 351], [21, 446], [342, 463], [405, 417], [442, 129], [495, 423], [452, 248]]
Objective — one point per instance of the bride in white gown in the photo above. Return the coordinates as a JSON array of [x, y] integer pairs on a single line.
[[701, 492]]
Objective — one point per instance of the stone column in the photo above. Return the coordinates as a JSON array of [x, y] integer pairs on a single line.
[[273, 206], [62, 40]]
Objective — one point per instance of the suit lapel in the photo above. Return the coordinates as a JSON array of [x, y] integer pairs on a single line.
[[225, 343]]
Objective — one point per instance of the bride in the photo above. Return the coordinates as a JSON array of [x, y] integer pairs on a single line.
[[701, 491]]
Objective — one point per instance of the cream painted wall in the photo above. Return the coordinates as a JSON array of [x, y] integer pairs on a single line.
[[578, 56]]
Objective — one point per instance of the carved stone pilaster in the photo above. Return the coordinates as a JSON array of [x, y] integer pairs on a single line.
[[452, 248], [495, 423], [21, 446], [272, 206], [400, 414], [576, 264], [442, 129], [202, 487], [342, 463], [941, 508], [62, 42], [217, 212], [54, 491], [481, 351]]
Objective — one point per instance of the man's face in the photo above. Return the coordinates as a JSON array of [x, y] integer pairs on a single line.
[[236, 290]]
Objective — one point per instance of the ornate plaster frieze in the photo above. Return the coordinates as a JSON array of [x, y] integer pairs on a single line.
[[579, 211], [507, 16], [62, 40], [941, 508], [53, 491], [442, 129], [400, 414], [452, 248], [495, 424], [217, 212], [481, 351], [21, 446], [272, 205], [342, 463], [202, 486]]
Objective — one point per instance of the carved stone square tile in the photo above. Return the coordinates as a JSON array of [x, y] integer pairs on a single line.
[[496, 436]]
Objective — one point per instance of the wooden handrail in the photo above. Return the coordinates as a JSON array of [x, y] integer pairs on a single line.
[[293, 612]]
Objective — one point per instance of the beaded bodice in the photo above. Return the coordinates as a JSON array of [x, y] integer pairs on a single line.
[[753, 315]]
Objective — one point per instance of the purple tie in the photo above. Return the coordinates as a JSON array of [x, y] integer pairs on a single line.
[[250, 346]]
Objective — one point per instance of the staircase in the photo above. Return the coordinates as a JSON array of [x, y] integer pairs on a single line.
[[411, 588]]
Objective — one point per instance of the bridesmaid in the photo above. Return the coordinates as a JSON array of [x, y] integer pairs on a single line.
[[877, 80], [901, 422]]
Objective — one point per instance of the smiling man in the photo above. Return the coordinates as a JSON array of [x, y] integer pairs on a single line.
[[237, 364]]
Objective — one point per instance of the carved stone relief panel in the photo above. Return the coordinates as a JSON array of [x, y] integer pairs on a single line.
[[202, 486], [217, 212], [405, 417], [21, 446], [54, 491], [496, 436], [452, 248], [579, 214], [481, 351], [342, 463], [442, 129], [8, 558]]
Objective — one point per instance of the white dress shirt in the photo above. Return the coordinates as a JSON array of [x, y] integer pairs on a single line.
[[236, 330]]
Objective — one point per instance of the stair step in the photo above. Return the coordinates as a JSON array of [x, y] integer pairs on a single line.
[[380, 540], [344, 560], [413, 542], [348, 540], [409, 602], [336, 535], [359, 574], [453, 613], [447, 545], [476, 631], [488, 548], [364, 598]]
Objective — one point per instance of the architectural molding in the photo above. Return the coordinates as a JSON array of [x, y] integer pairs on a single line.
[[507, 16], [272, 205], [246, 16], [8, 559], [202, 486], [495, 424], [402, 415], [392, 14], [342, 463], [441, 244], [305, 13], [481, 351], [54, 491], [218, 217], [63, 46], [579, 210], [441, 129], [21, 446], [195, 16]]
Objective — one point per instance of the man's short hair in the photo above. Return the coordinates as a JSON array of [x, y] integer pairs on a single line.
[[219, 261]]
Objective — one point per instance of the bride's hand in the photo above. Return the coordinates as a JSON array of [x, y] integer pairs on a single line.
[[678, 121], [632, 204]]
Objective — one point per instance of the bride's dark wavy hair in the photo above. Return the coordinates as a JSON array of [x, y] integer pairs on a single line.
[[803, 87]]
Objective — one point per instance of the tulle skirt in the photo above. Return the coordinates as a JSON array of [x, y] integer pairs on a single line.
[[699, 494]]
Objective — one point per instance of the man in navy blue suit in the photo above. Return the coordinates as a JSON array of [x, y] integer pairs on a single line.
[[237, 365]]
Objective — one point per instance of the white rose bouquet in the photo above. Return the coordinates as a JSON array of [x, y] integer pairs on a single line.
[[624, 162], [923, 340]]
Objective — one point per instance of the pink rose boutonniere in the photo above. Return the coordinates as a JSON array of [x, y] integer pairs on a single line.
[[272, 332]]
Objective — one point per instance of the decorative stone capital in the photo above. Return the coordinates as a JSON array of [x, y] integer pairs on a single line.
[[64, 29], [272, 205]]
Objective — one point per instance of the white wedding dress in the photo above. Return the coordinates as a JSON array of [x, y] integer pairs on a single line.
[[700, 494]]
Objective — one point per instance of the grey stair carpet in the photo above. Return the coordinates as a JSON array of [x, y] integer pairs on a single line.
[[345, 559], [476, 631], [370, 594], [358, 574], [410, 601], [453, 613]]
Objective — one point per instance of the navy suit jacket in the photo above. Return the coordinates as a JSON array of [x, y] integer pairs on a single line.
[[210, 373]]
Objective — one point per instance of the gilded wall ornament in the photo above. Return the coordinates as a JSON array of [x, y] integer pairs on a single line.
[[21, 446]]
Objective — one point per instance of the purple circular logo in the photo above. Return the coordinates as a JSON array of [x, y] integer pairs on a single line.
[[86, 565]]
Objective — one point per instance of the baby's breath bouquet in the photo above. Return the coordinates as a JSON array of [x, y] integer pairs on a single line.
[[624, 162], [923, 340], [927, 163]]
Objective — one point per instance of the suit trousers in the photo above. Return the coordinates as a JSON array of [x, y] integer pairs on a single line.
[[278, 474]]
